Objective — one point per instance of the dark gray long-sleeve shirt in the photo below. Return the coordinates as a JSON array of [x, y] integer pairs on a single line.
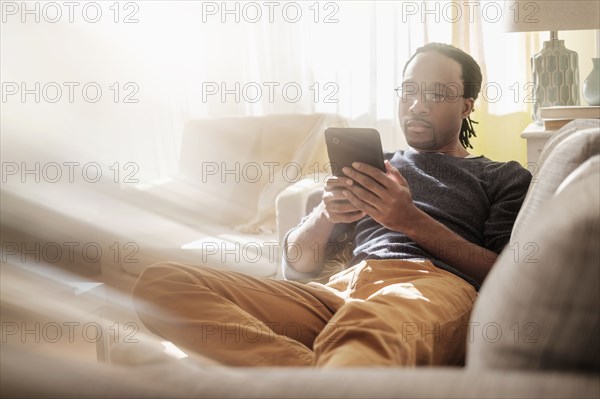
[[475, 197]]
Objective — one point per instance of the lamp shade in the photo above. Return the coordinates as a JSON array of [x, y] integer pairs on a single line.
[[551, 15]]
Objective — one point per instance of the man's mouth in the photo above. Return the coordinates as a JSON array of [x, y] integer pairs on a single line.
[[417, 125]]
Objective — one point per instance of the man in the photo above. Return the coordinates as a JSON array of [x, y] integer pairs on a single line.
[[427, 231]]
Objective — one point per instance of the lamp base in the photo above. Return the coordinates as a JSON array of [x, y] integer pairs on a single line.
[[555, 76]]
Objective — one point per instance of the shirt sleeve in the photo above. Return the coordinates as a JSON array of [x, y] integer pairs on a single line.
[[289, 273], [509, 183]]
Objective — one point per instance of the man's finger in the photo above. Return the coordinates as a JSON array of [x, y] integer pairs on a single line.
[[366, 195], [335, 194], [369, 170], [360, 204], [335, 181], [366, 181], [376, 174], [347, 217], [342, 206]]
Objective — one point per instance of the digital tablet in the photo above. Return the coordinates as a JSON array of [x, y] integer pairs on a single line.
[[348, 145]]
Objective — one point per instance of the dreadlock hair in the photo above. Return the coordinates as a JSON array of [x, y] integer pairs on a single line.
[[471, 76]]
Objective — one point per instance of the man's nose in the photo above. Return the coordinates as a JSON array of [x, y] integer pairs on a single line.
[[418, 106]]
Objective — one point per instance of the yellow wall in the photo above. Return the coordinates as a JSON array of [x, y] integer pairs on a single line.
[[499, 135]]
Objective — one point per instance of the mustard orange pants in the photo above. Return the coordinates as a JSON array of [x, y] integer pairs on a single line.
[[377, 313]]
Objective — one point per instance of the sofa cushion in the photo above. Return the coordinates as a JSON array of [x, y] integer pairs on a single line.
[[539, 306], [242, 163], [294, 156], [219, 156], [567, 154]]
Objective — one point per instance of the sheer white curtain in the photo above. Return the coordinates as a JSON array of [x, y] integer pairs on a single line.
[[345, 57], [192, 59]]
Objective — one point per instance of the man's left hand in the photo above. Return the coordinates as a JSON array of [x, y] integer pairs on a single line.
[[385, 197]]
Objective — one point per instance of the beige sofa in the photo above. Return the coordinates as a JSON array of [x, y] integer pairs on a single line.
[[534, 329]]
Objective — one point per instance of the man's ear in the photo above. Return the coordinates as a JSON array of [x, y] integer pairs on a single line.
[[468, 106]]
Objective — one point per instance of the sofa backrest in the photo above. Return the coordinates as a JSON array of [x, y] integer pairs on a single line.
[[539, 307], [574, 126], [560, 157], [243, 162]]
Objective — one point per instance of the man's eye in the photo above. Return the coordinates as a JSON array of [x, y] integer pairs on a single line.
[[435, 97]]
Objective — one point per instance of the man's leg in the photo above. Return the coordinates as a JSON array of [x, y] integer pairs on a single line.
[[231, 317], [399, 313]]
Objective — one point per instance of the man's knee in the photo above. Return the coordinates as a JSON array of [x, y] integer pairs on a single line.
[[162, 278], [156, 279], [147, 282], [150, 275]]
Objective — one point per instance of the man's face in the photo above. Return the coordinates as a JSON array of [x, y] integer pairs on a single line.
[[431, 106]]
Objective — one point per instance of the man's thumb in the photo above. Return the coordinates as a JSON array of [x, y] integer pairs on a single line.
[[391, 170]]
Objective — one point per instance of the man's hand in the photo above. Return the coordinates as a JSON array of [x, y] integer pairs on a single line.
[[385, 197], [337, 208]]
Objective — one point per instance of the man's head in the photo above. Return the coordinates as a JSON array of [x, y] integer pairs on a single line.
[[439, 88]]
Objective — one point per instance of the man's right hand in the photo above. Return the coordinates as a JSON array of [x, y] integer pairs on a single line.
[[337, 209]]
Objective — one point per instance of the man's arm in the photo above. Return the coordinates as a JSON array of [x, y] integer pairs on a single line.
[[307, 244], [437, 239], [387, 199]]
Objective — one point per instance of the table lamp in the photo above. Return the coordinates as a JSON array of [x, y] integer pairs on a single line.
[[555, 68]]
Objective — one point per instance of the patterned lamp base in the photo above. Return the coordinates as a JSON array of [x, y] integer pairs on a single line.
[[555, 76]]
